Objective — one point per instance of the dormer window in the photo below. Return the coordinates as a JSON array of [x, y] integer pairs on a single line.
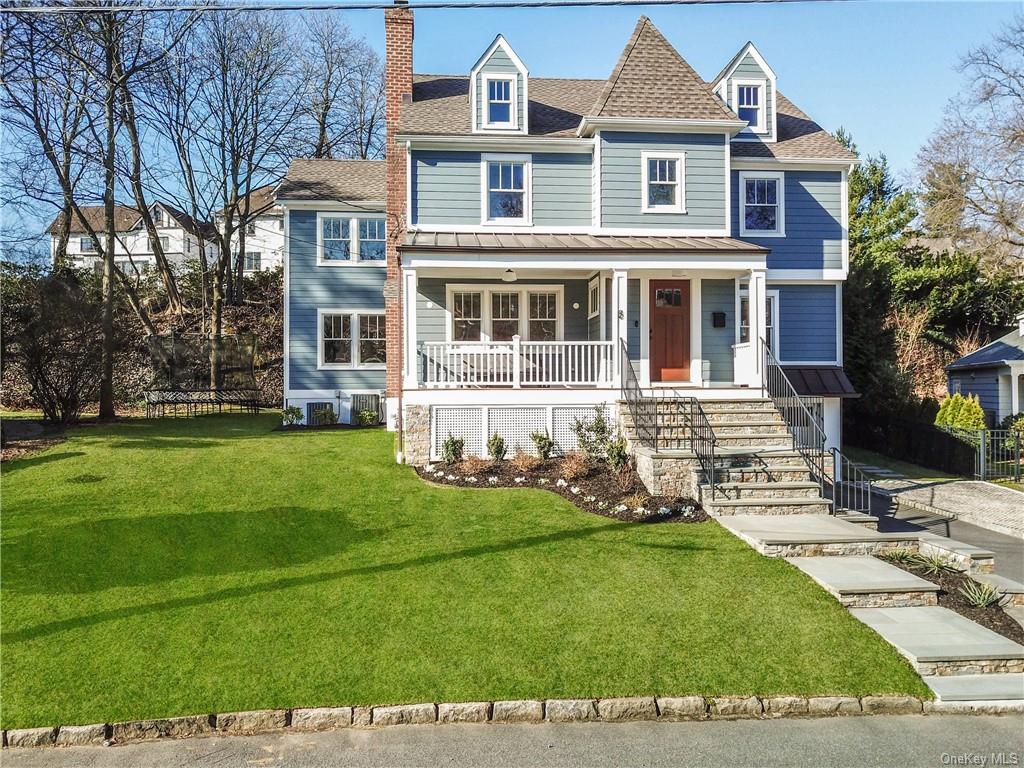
[[663, 182], [748, 97], [158, 217], [501, 99]]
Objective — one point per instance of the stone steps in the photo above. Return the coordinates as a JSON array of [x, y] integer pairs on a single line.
[[771, 473], [965, 556], [813, 535], [771, 489], [763, 506], [994, 687], [941, 642], [754, 443], [867, 582], [859, 518]]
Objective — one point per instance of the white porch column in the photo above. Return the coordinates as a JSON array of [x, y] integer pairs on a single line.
[[1015, 382], [411, 367], [620, 323], [758, 298]]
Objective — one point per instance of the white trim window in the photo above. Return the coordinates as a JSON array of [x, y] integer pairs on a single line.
[[165, 243], [87, 245], [762, 204], [500, 107], [351, 339], [335, 234], [506, 190], [253, 260], [771, 317], [594, 298], [495, 313], [467, 317], [371, 240], [158, 217], [543, 319], [664, 189], [748, 98]]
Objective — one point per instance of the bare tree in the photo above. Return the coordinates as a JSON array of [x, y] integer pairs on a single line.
[[343, 110], [973, 166]]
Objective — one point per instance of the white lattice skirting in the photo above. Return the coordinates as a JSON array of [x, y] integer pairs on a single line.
[[475, 424]]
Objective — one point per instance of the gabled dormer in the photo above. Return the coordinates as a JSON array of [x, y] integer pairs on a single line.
[[499, 91], [747, 85]]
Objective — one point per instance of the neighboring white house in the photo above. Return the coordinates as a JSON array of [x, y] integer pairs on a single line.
[[264, 234], [179, 234]]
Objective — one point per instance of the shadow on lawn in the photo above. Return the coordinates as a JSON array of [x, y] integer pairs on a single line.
[[44, 458], [233, 593]]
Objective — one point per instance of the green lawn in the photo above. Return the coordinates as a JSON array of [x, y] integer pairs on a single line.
[[191, 566], [905, 468]]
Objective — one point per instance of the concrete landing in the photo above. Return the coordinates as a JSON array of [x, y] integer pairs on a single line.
[[867, 581], [941, 641], [1006, 687]]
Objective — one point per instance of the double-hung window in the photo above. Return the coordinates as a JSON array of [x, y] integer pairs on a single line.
[[663, 182], [252, 261], [543, 316], [250, 228], [371, 240], [594, 297], [749, 101], [506, 197], [501, 108], [352, 339], [504, 315], [467, 321], [497, 314], [87, 245], [165, 243], [762, 198], [335, 245]]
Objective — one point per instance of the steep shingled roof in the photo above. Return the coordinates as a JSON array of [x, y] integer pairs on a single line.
[[800, 138], [651, 80], [125, 219], [333, 180]]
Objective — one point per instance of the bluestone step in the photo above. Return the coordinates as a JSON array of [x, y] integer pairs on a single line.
[[939, 641], [867, 582], [999, 687], [799, 535]]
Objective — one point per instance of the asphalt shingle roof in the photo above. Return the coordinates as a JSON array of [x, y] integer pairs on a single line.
[[993, 354], [651, 80], [333, 180], [125, 219]]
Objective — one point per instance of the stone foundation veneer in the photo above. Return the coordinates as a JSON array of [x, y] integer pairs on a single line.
[[416, 435], [969, 667], [667, 475], [889, 600]]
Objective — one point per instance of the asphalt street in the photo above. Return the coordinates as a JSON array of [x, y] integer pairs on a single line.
[[905, 741]]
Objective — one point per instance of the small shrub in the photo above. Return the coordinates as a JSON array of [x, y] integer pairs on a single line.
[[574, 465], [525, 462], [616, 454], [980, 595], [496, 447], [942, 417], [933, 565], [956, 402], [291, 415], [474, 465], [903, 557], [451, 449], [593, 436], [1015, 423], [971, 415], [543, 443], [636, 500], [325, 415], [366, 418]]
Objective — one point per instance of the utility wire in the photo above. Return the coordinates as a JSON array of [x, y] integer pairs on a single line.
[[380, 5]]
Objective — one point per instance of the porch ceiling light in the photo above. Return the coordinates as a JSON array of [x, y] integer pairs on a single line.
[[508, 276]]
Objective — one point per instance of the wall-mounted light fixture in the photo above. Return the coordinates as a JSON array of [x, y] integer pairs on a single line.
[[508, 276]]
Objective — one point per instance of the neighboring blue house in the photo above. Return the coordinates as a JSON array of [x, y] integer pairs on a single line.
[[542, 231], [995, 373]]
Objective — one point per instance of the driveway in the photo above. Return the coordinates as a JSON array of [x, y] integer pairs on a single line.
[[984, 504], [906, 741]]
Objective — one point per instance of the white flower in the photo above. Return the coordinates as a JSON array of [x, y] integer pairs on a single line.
[[589, 499], [429, 468], [575, 490], [543, 481], [451, 477], [520, 479], [664, 511], [640, 511], [471, 479], [492, 480], [561, 483], [621, 508], [602, 504]]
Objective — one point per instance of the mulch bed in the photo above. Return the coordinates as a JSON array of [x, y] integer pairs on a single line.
[[949, 582], [320, 427], [598, 490], [23, 437]]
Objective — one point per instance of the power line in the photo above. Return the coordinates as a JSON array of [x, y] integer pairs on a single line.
[[377, 6]]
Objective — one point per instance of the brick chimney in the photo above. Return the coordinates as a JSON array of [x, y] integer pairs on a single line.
[[398, 30]]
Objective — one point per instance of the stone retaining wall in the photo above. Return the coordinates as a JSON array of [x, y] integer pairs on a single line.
[[667, 475], [662, 708], [416, 435]]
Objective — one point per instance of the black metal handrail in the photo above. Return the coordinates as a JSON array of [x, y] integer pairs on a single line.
[[837, 477], [648, 411]]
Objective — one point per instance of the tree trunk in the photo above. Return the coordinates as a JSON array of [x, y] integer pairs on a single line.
[[107, 319], [237, 297]]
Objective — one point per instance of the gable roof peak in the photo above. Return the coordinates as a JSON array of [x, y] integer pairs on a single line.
[[499, 41], [651, 80], [747, 47]]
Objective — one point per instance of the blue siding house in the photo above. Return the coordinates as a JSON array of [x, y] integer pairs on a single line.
[[538, 237], [995, 373]]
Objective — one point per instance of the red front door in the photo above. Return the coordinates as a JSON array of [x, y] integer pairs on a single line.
[[670, 330]]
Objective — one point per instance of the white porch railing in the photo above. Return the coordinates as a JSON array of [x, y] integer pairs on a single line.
[[517, 363]]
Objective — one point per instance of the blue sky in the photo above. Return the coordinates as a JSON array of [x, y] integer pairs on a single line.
[[884, 71]]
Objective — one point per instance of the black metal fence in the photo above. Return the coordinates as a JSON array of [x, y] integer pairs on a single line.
[[913, 441], [997, 452]]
